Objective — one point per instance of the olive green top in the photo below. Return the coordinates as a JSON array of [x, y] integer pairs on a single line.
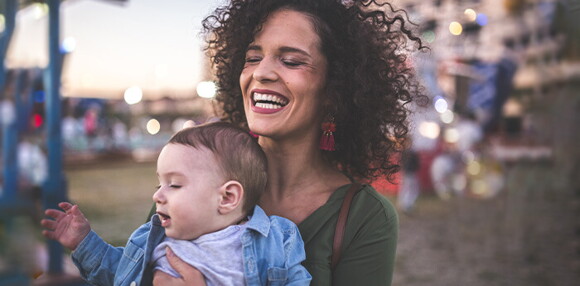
[[369, 242]]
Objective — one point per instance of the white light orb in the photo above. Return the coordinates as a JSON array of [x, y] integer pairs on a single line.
[[133, 95], [68, 45], [429, 129], [206, 89], [470, 14], [441, 105], [447, 116], [153, 126]]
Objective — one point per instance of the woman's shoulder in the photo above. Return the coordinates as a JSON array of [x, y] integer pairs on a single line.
[[369, 204]]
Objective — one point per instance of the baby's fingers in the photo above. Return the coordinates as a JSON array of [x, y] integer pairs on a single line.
[[65, 206], [49, 234], [55, 214], [48, 224]]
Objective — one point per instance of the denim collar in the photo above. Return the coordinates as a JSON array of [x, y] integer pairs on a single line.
[[259, 221]]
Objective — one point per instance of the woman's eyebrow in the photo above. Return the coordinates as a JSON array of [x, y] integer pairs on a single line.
[[294, 50], [283, 49], [254, 48]]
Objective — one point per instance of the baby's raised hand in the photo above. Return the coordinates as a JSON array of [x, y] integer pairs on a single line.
[[69, 227]]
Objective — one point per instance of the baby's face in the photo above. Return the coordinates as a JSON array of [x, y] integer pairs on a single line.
[[188, 196]]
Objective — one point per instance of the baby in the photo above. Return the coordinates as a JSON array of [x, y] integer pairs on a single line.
[[210, 180]]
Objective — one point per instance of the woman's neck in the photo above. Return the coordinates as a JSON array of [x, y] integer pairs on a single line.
[[298, 167]]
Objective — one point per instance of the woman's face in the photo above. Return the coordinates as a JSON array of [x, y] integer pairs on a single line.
[[284, 77]]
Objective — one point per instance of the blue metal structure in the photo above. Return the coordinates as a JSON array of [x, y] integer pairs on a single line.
[[9, 131], [10, 205], [54, 190], [55, 187]]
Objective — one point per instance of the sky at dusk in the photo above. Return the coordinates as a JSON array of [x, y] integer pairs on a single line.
[[152, 44]]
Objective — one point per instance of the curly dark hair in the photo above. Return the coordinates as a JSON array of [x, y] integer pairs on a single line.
[[369, 80]]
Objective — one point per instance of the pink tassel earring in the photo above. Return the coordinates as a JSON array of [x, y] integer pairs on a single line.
[[327, 138]]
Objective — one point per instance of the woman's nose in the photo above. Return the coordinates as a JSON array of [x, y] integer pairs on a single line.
[[266, 71]]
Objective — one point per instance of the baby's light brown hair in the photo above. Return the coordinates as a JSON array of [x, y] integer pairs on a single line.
[[238, 154]]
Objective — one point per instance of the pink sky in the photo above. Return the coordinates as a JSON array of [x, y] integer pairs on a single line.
[[153, 44]]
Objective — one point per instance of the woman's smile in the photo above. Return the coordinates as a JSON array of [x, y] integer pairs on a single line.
[[266, 101]]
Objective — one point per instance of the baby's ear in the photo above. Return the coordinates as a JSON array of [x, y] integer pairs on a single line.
[[232, 194]]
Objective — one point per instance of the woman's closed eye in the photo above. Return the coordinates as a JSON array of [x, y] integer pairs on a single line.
[[292, 63], [253, 59]]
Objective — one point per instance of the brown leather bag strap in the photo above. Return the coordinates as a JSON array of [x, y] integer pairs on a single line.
[[341, 223]]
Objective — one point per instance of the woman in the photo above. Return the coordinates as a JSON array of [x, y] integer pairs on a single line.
[[287, 67]]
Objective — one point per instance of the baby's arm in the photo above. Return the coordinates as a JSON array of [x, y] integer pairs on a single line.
[[295, 254], [69, 227]]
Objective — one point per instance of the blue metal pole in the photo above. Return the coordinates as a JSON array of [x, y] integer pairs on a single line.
[[10, 147], [55, 187], [5, 36], [9, 131]]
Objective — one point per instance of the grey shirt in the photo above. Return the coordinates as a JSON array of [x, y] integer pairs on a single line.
[[217, 255]]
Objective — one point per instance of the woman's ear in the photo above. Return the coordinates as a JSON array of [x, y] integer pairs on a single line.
[[231, 196]]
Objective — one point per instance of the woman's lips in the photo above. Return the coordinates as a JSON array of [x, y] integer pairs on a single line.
[[267, 101]]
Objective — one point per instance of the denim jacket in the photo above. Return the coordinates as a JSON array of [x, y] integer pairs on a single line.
[[272, 250]]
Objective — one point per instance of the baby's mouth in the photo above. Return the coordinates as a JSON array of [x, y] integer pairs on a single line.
[[165, 219], [268, 101]]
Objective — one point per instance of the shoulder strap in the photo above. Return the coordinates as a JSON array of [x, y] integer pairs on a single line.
[[341, 223]]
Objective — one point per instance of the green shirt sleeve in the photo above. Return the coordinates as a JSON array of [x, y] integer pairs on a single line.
[[369, 243]]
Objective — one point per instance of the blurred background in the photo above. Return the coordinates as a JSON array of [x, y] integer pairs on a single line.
[[488, 193]]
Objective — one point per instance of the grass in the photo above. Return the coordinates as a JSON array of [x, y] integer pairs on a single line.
[[114, 196]]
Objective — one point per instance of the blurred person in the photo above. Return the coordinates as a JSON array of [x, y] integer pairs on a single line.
[[323, 84], [410, 188], [210, 179], [119, 134], [470, 132], [32, 163]]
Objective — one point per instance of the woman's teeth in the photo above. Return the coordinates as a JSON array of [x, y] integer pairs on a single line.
[[269, 101]]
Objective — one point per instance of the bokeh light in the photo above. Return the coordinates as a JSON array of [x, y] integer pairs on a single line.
[[178, 124], [133, 95], [447, 116], [39, 10], [441, 105], [467, 156], [451, 135], [470, 14], [481, 19], [429, 129], [455, 28], [513, 108], [429, 36], [153, 126], [2, 23], [68, 45], [206, 89], [473, 168]]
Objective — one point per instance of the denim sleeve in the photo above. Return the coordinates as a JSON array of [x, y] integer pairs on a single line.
[[97, 260], [295, 254]]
